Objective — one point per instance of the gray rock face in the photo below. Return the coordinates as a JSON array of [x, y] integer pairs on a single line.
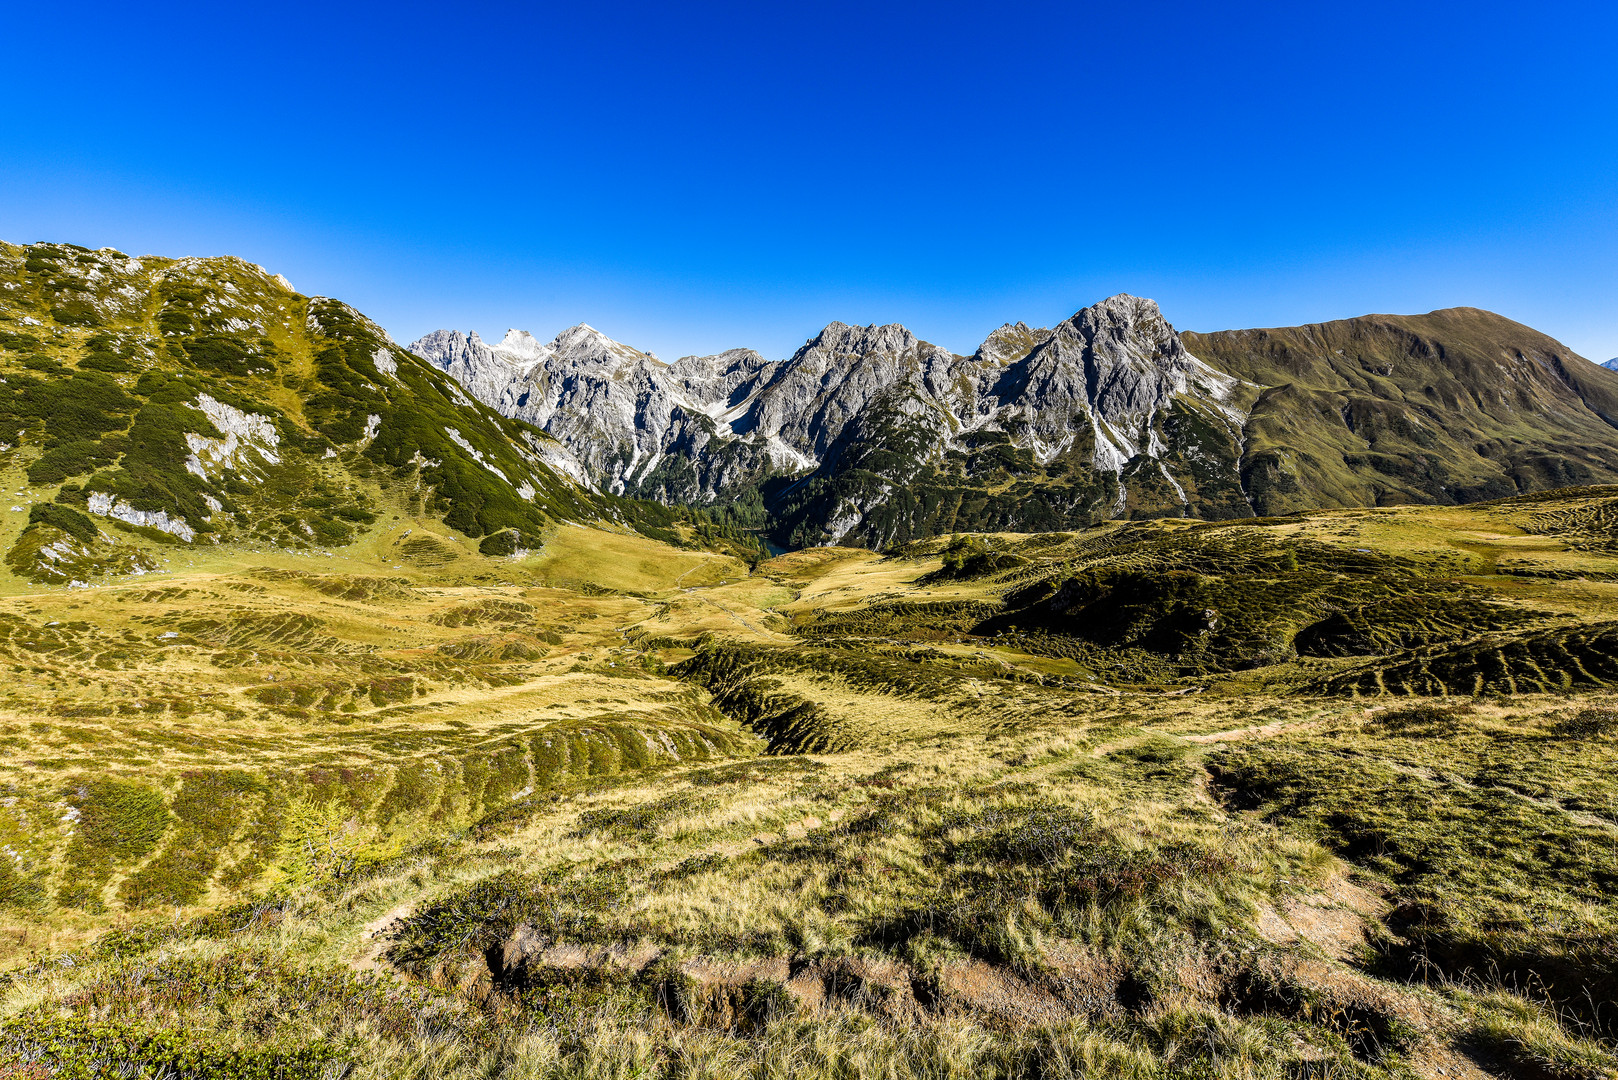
[[1110, 398]]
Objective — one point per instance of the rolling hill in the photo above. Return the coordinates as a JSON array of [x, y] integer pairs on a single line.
[[159, 403]]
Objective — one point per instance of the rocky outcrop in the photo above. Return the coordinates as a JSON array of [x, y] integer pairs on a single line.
[[1107, 385]]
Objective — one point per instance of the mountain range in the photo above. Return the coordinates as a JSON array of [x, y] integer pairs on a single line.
[[156, 401], [871, 436], [413, 759]]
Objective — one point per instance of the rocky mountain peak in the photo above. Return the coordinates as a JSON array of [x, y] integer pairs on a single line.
[[841, 341], [584, 343], [1128, 323], [522, 345], [731, 362], [450, 345], [728, 358], [1009, 342]]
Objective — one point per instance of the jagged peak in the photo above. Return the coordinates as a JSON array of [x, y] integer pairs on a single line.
[[842, 340], [1010, 341], [437, 341], [1122, 307], [585, 344], [584, 335], [521, 343], [1134, 323], [721, 361]]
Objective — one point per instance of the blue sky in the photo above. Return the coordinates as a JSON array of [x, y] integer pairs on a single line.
[[694, 177]]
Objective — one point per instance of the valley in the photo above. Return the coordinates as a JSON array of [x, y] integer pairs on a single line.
[[356, 723], [882, 813]]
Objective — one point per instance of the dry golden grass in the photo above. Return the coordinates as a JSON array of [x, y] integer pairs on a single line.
[[510, 818]]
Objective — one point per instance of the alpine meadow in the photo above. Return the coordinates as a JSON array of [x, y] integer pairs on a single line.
[[1110, 701]]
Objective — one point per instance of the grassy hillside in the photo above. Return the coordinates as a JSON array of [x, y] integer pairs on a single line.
[[153, 404], [1454, 406], [1152, 799], [342, 736], [119, 372]]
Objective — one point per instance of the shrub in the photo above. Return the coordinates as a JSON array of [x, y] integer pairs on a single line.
[[76, 313], [68, 459], [500, 543], [119, 823], [1588, 723], [76, 1046], [226, 354], [65, 518], [1425, 715], [101, 362]]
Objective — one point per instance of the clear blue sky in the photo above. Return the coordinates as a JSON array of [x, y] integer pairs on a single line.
[[691, 177]]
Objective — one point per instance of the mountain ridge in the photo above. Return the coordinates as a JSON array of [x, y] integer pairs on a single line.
[[1111, 413], [199, 399]]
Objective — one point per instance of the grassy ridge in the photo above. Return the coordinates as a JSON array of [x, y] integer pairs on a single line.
[[1393, 408]]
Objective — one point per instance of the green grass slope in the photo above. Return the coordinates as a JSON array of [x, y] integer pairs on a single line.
[[159, 402], [1454, 406], [326, 790]]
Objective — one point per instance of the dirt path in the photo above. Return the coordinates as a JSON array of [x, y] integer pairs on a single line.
[[1255, 731], [372, 935]]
